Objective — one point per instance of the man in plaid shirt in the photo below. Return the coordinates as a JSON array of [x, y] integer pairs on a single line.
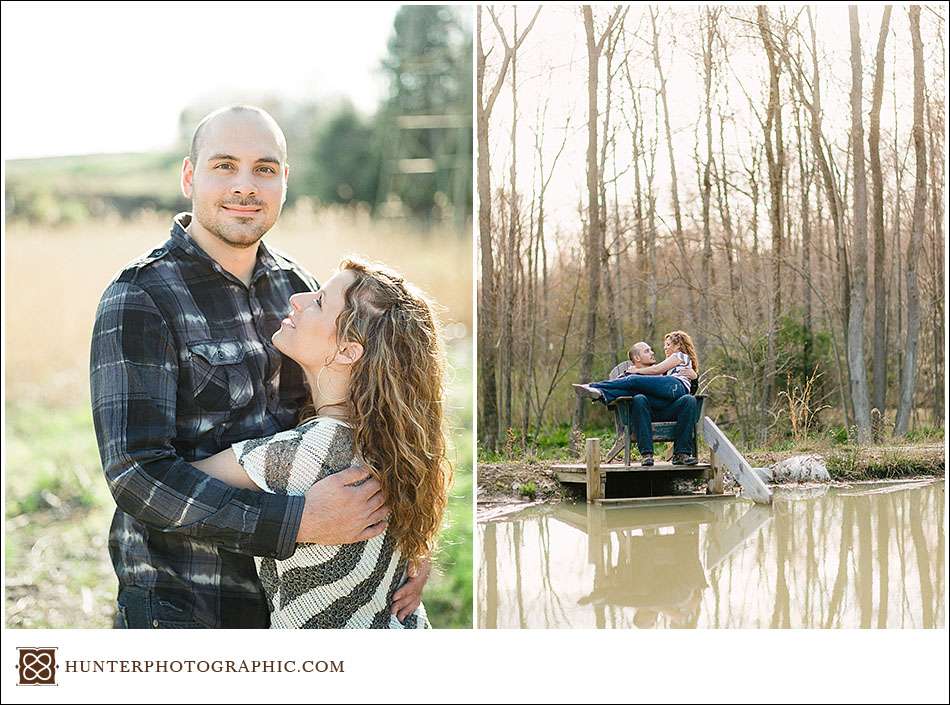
[[183, 366]]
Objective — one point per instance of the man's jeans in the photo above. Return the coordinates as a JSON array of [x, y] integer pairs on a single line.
[[662, 387], [648, 409], [138, 608]]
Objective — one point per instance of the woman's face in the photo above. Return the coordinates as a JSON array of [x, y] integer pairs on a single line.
[[308, 334], [669, 347]]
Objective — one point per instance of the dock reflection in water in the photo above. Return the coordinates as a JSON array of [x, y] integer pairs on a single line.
[[863, 556]]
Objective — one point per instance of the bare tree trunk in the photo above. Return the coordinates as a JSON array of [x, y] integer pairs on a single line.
[[728, 233], [775, 159], [530, 328], [835, 202], [674, 188], [652, 280], [909, 371], [805, 179], [897, 245], [511, 255], [614, 332], [857, 371], [539, 259], [754, 189], [595, 236], [935, 131], [639, 234], [877, 220], [487, 397], [487, 334], [712, 17], [530, 325], [645, 231]]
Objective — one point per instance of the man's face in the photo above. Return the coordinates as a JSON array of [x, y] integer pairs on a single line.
[[239, 181], [643, 355]]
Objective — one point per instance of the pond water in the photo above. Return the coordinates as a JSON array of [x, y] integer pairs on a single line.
[[867, 555]]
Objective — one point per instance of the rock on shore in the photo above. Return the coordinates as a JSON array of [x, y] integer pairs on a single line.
[[798, 468]]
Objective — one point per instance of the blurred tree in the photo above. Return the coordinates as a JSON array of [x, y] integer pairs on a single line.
[[345, 159], [425, 122]]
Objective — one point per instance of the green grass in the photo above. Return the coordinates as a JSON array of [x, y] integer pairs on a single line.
[[154, 173], [853, 463], [52, 460], [58, 571], [925, 433], [551, 443], [58, 510], [528, 489], [448, 595], [60, 191]]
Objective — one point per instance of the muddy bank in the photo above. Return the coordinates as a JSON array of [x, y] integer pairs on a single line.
[[515, 484]]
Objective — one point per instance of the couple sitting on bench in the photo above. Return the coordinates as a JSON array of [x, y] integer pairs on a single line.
[[660, 392]]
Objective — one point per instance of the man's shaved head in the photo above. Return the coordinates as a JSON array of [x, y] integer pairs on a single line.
[[637, 351], [237, 111], [236, 175]]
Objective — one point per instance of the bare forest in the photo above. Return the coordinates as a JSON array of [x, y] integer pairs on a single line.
[[768, 179]]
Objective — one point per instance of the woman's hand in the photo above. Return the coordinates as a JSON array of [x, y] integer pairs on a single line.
[[407, 599]]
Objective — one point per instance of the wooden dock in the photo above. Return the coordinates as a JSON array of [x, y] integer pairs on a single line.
[[617, 482], [577, 472]]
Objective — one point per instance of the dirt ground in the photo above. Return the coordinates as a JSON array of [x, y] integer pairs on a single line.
[[505, 486], [500, 483]]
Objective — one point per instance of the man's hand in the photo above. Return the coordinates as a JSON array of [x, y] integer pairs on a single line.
[[345, 507], [408, 598]]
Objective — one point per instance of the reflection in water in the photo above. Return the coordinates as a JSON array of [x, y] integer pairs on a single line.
[[864, 556]]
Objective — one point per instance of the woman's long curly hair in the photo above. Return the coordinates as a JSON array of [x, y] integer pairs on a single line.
[[396, 400], [685, 343]]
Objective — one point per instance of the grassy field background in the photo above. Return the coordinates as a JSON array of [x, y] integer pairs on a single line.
[[58, 508]]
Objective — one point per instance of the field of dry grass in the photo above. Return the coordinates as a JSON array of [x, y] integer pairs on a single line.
[[54, 279], [58, 508]]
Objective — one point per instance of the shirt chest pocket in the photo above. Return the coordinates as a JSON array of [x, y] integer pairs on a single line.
[[220, 379]]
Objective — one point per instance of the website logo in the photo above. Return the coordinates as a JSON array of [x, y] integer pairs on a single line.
[[37, 666]]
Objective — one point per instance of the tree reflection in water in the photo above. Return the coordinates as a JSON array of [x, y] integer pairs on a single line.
[[863, 556]]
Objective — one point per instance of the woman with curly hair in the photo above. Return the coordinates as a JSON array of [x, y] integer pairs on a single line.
[[371, 349]]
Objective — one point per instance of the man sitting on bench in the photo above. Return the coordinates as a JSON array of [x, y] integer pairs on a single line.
[[647, 409]]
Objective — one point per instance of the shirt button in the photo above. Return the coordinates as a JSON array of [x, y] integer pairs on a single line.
[[155, 623]]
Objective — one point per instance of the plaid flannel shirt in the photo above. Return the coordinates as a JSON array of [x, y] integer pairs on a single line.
[[182, 366]]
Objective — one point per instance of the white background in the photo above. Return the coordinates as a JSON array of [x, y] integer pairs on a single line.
[[507, 666], [483, 666], [83, 78]]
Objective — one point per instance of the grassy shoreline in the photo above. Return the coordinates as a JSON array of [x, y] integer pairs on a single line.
[[512, 480]]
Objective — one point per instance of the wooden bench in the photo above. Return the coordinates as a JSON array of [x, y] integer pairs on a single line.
[[660, 430]]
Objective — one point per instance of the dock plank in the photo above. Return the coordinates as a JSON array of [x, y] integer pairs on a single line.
[[620, 467], [665, 500], [730, 458], [575, 474]]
